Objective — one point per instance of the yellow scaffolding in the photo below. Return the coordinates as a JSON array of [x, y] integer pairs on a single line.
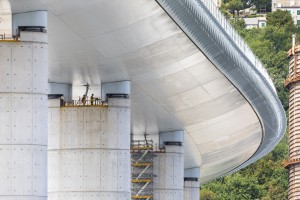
[[142, 170]]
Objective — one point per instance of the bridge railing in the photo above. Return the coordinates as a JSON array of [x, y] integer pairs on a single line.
[[96, 102], [238, 40]]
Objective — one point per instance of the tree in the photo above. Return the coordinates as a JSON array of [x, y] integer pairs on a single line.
[[281, 19], [261, 4], [234, 5], [238, 24], [207, 194]]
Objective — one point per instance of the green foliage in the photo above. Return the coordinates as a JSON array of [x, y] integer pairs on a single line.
[[265, 179], [233, 5], [280, 19], [207, 194], [238, 23], [260, 4]]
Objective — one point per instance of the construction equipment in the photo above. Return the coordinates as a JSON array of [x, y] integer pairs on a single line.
[[142, 169]]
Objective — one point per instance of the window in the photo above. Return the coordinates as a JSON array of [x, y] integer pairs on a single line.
[[298, 22], [298, 12], [263, 24]]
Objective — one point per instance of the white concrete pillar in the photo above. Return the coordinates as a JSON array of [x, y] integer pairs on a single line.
[[23, 116], [168, 168], [191, 184], [89, 152], [115, 89]]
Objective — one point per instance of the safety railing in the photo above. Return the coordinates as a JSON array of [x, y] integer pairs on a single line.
[[8, 38], [238, 40], [75, 103]]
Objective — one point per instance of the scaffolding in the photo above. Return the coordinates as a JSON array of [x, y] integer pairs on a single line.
[[292, 83], [142, 170]]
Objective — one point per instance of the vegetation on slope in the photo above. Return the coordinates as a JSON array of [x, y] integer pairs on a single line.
[[265, 179]]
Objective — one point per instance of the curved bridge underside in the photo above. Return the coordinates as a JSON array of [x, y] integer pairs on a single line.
[[186, 74]]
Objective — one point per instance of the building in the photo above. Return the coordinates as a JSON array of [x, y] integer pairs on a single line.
[[292, 84], [257, 22], [290, 5], [183, 100]]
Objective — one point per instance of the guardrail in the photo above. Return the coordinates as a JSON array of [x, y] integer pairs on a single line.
[[8, 38], [78, 103], [238, 40]]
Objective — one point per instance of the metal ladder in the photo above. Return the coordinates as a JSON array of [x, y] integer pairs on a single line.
[[142, 169]]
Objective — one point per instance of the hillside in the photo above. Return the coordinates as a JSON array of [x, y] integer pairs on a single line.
[[266, 179]]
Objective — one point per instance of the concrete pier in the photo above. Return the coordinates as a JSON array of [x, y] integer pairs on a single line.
[[89, 151], [23, 115], [191, 184], [168, 174], [168, 167]]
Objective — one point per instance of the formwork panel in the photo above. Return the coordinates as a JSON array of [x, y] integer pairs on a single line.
[[178, 171], [163, 176], [73, 128], [110, 195], [66, 196], [168, 172], [5, 172], [5, 119], [106, 195], [40, 119], [39, 168], [92, 128], [5, 69], [92, 170], [124, 196], [62, 129], [109, 128], [21, 125], [39, 68], [123, 170], [56, 164], [178, 195], [54, 128], [156, 167], [89, 196], [20, 165], [109, 159], [123, 128], [164, 195], [72, 170], [22, 68], [22, 198]]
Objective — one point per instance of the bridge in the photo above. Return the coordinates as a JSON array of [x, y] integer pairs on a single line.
[[182, 100]]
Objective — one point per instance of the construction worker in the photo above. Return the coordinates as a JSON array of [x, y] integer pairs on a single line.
[[92, 99], [83, 100]]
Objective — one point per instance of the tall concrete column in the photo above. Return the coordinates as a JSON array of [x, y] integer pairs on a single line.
[[23, 116], [191, 184], [168, 168], [89, 151]]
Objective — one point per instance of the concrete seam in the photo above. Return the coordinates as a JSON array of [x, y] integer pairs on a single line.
[[73, 149], [11, 117], [32, 118], [23, 93], [38, 145]]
